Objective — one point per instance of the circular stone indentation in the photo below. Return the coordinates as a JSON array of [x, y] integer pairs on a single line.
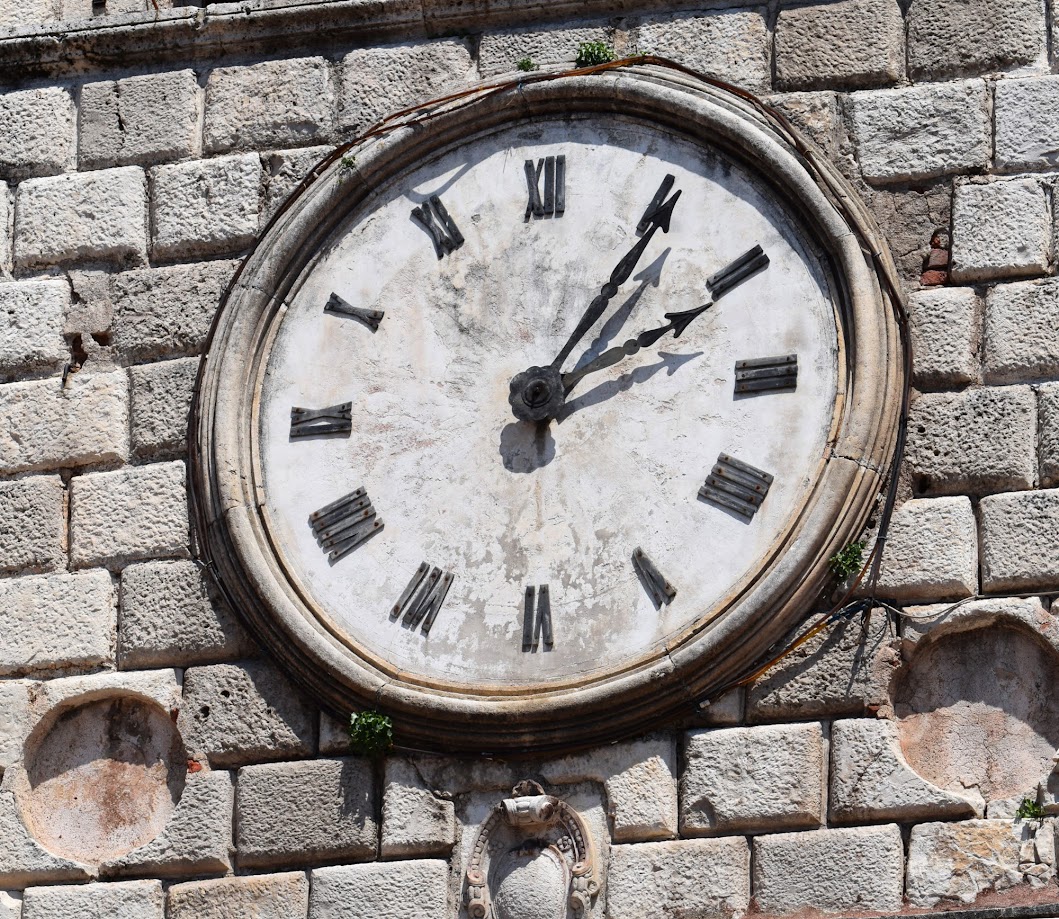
[[975, 711], [530, 885], [103, 779]]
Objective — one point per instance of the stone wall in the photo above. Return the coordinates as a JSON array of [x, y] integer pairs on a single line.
[[879, 765]]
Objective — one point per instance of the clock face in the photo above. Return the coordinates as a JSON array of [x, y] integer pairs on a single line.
[[420, 512]]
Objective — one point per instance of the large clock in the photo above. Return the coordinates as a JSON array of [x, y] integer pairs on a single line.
[[531, 423]]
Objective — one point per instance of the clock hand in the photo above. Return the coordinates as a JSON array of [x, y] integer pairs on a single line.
[[659, 219]]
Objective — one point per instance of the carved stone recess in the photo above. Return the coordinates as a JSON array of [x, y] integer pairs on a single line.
[[533, 858]]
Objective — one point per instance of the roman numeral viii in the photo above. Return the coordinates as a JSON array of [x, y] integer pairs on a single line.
[[553, 203], [433, 218]]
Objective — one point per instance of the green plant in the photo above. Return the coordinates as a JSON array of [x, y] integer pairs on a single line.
[[590, 53], [526, 64], [370, 733], [349, 162], [847, 561], [1030, 810]]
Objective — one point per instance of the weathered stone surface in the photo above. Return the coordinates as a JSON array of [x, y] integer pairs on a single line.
[[38, 135], [959, 861], [1026, 137], [197, 838], [10, 904], [139, 120], [16, 720], [730, 44], [31, 325], [161, 400], [127, 900], [377, 81], [334, 735], [747, 779], [50, 425], [23, 860], [416, 820], [871, 781], [394, 890], [1048, 434], [207, 207], [56, 620], [932, 551], [859, 868], [1020, 541], [922, 131], [909, 218], [161, 686], [264, 896], [90, 215], [701, 877], [6, 218], [815, 114], [32, 525], [283, 171], [284, 103], [973, 442], [500, 52], [1001, 230], [851, 43], [306, 812], [238, 713], [133, 513], [954, 37], [946, 336], [171, 617], [942, 617], [165, 312], [845, 670], [1022, 332]]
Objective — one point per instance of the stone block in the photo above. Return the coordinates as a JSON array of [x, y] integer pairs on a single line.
[[139, 120], [1020, 541], [56, 621], [725, 711], [306, 812], [753, 779], [83, 423], [698, 877], [844, 670], [127, 900], [955, 37], [730, 44], [207, 207], [172, 617], [844, 44], [1026, 136], [32, 525], [377, 81], [872, 782], [271, 104], [264, 896], [401, 890], [239, 713], [932, 551], [1022, 332], [284, 170], [31, 325], [24, 861], [6, 217], [500, 52], [942, 617], [10, 904], [334, 735], [161, 400], [922, 131], [416, 820], [159, 686], [165, 312], [133, 513], [1048, 434], [1001, 230], [946, 337], [197, 838], [38, 135], [961, 861], [98, 216], [16, 720], [977, 441], [817, 115], [853, 869], [908, 218]]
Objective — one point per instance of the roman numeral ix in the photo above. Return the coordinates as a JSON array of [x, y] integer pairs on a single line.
[[342, 525], [553, 204], [423, 598], [433, 218], [340, 307], [537, 618], [309, 422]]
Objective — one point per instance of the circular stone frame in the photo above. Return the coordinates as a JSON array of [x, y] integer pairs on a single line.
[[226, 477]]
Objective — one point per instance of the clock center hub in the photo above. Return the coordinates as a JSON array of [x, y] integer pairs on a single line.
[[536, 394]]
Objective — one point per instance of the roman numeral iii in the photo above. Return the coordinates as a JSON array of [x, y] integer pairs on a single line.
[[553, 203], [443, 231], [342, 525], [422, 599]]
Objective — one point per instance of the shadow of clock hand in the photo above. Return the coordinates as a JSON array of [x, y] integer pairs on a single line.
[[670, 363], [526, 447]]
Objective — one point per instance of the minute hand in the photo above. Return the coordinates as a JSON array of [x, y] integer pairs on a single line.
[[678, 322]]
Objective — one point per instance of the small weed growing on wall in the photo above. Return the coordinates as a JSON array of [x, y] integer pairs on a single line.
[[370, 734], [349, 162], [1030, 810], [848, 561], [526, 65], [590, 53]]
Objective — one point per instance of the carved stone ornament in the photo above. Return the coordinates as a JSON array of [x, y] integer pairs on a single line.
[[532, 859]]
